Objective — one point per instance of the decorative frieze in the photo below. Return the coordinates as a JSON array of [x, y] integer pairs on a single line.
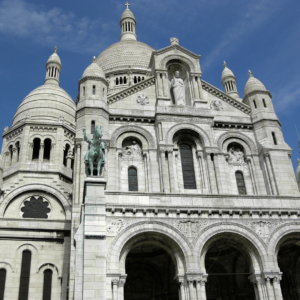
[[185, 120], [92, 111], [14, 134], [187, 110]]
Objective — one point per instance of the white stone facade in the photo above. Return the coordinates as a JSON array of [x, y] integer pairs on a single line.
[[233, 190]]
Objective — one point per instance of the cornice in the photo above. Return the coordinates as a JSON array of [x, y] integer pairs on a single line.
[[130, 90], [84, 79], [225, 97]]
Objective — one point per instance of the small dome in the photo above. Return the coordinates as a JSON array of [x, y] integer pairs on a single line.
[[226, 72], [93, 70], [127, 14], [253, 84], [54, 57], [47, 103]]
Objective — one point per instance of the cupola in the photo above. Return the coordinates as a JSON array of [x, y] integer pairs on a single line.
[[128, 25], [53, 68], [253, 85], [229, 82]]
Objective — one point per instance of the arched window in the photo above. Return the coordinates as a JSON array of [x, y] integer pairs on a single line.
[[139, 78], [47, 149], [67, 149], [10, 149], [18, 150], [254, 102], [132, 179], [83, 90], [93, 127], [2, 283], [25, 275], [274, 138], [187, 163], [121, 80], [264, 102], [143, 78], [134, 80], [47, 284], [240, 183], [36, 149], [94, 90], [125, 80], [117, 81]]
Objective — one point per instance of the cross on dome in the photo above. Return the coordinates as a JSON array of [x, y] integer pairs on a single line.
[[55, 49], [127, 4], [225, 64], [94, 58], [250, 73]]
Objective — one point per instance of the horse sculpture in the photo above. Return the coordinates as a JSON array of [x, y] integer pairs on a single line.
[[96, 152]]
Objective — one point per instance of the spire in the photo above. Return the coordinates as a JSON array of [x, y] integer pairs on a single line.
[[128, 24], [53, 68]]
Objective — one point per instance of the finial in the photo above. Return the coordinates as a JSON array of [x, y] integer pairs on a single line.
[[225, 64], [94, 58], [127, 4], [298, 161], [250, 73], [55, 49]]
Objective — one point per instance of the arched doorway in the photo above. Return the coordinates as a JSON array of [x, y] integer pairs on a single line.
[[289, 264], [229, 267], [150, 274]]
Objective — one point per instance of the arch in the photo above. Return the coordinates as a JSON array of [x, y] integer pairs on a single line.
[[18, 256], [177, 127], [279, 236], [50, 266], [6, 266], [36, 148], [47, 149], [256, 248], [129, 128], [143, 143], [189, 63], [177, 241], [236, 141], [238, 137], [36, 187], [42, 137]]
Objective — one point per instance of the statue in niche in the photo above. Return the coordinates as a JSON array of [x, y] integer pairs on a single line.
[[236, 156], [132, 152], [177, 85]]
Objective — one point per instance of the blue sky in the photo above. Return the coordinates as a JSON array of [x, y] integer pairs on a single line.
[[263, 36]]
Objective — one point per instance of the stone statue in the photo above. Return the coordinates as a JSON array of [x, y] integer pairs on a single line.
[[96, 152], [132, 152], [177, 86], [236, 156]]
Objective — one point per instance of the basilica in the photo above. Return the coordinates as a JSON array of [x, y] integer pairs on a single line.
[[151, 185]]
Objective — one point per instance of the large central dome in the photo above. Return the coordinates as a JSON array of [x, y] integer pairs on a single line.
[[125, 54]]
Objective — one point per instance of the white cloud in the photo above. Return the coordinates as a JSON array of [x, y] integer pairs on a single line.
[[48, 27]]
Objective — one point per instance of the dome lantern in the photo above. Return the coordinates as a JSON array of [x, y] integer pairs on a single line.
[[229, 81], [53, 68], [128, 25]]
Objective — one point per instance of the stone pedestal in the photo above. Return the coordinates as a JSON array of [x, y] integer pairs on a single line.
[[94, 249], [200, 103]]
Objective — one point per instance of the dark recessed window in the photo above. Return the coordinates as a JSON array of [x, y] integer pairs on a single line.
[[240, 183], [47, 284], [47, 149], [93, 126], [187, 163], [264, 102], [254, 102], [94, 90], [25, 275], [35, 208], [36, 149], [2, 283], [274, 138], [132, 179]]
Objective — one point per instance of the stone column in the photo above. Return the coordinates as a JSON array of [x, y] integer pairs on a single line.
[[191, 289], [69, 159], [52, 153], [159, 85], [166, 85], [41, 152], [269, 289], [200, 88], [146, 172], [211, 172], [277, 288], [195, 87], [164, 170], [7, 160], [30, 150], [259, 288], [198, 288], [171, 171], [120, 155], [14, 159], [115, 283], [181, 287], [203, 291], [219, 162], [160, 132], [121, 288], [249, 162], [77, 174], [270, 172]]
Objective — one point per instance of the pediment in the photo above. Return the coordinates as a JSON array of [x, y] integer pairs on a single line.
[[226, 98]]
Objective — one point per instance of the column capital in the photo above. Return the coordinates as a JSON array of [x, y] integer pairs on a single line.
[[115, 281], [267, 154], [78, 146]]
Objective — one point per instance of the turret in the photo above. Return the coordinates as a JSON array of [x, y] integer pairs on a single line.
[[229, 82], [53, 68], [128, 25]]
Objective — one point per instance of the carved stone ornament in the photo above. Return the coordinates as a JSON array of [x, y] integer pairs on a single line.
[[132, 152], [190, 228], [263, 228], [143, 100], [216, 105], [35, 208], [115, 226], [236, 157]]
